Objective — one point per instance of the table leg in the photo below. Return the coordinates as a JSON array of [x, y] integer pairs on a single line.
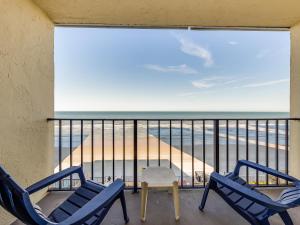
[[144, 195], [176, 200]]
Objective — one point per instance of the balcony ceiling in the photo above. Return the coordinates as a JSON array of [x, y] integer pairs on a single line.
[[173, 13]]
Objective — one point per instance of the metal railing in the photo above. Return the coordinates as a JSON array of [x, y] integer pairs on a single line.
[[120, 148]]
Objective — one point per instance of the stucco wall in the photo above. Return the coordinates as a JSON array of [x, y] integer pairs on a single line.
[[295, 101], [26, 93], [206, 13]]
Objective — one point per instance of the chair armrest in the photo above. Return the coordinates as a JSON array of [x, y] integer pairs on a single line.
[[102, 200], [247, 193], [56, 177], [263, 169]]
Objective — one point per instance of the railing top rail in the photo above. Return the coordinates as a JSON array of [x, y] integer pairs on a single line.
[[172, 119]]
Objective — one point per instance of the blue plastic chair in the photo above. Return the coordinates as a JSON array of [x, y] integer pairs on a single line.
[[251, 204], [88, 205]]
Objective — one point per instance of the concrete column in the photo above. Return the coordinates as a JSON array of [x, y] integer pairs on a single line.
[[26, 94], [294, 155]]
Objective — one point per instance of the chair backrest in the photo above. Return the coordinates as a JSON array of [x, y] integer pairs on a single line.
[[16, 201], [290, 196]]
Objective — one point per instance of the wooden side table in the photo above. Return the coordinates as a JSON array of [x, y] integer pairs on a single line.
[[159, 178]]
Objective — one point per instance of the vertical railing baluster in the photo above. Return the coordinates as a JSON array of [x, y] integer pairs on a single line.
[[181, 154], [113, 150], [237, 141], [92, 146], [193, 155], [147, 143], [103, 131], [170, 144], [203, 152], [277, 148], [135, 166], [158, 142], [247, 149], [256, 152], [124, 138], [227, 146], [81, 143], [216, 146], [287, 148], [59, 150], [267, 149], [71, 152]]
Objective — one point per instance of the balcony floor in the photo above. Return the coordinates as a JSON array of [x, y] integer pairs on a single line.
[[160, 209]]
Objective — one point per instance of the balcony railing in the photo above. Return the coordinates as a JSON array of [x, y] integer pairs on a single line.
[[120, 148]]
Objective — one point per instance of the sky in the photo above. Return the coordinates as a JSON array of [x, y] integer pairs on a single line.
[[106, 69]]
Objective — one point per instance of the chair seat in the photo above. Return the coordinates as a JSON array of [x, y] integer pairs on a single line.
[[243, 203], [78, 199]]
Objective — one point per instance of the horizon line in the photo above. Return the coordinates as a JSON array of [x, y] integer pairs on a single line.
[[254, 111]]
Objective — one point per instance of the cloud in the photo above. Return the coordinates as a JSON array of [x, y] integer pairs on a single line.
[[263, 53], [202, 84], [183, 68], [191, 48], [191, 94], [217, 81], [209, 82], [268, 83], [232, 43], [232, 81]]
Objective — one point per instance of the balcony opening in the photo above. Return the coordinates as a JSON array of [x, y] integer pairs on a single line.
[[192, 100]]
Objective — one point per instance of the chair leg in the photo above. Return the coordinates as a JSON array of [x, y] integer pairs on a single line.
[[144, 196], [286, 218], [204, 197], [176, 200], [123, 203], [265, 222]]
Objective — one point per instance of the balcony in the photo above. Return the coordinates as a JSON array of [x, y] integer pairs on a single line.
[[120, 148]]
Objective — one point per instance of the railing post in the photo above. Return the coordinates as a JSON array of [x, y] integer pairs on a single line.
[[59, 151], [216, 146], [135, 167]]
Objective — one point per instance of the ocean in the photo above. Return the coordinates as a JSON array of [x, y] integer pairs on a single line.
[[168, 115]]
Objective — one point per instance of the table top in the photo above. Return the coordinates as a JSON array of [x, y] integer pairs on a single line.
[[158, 177]]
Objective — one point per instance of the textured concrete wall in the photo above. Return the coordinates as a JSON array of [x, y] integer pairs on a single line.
[[295, 101], [26, 93], [207, 13]]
